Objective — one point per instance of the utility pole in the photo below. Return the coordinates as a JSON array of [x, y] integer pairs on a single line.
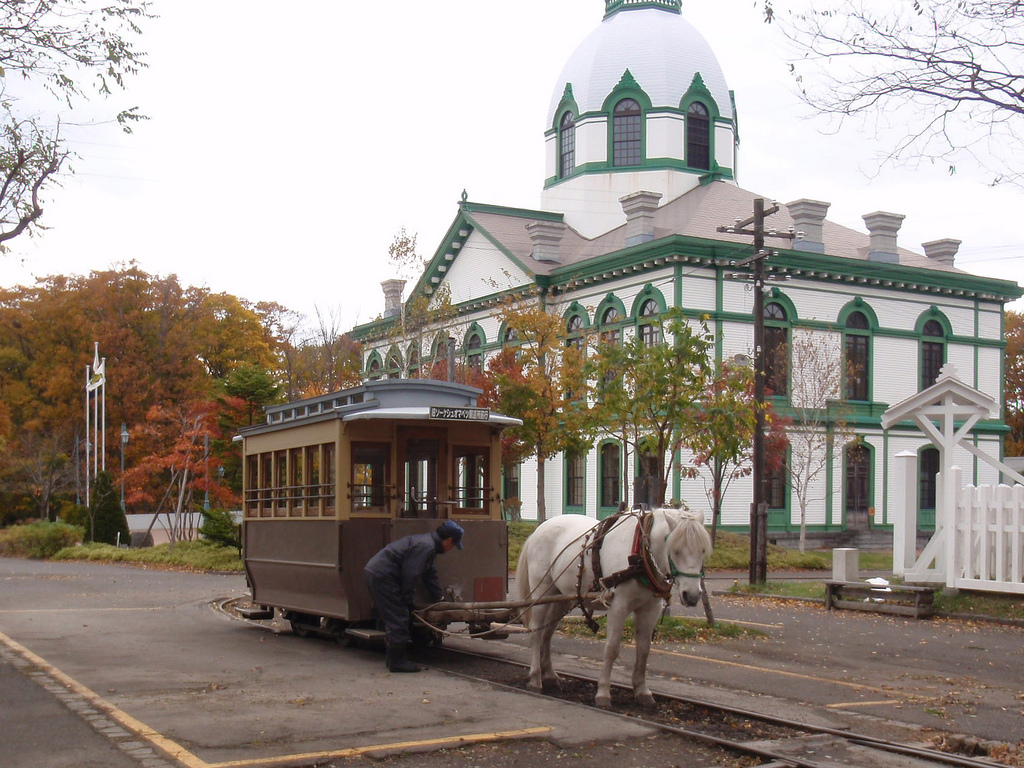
[[754, 226]]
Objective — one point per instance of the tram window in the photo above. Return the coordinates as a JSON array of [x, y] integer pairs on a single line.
[[296, 497], [311, 490], [329, 479], [266, 483], [369, 476], [281, 483], [470, 477], [252, 486]]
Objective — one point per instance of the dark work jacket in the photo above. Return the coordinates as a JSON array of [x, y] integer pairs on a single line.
[[408, 560]]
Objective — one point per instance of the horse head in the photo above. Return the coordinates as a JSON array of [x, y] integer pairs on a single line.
[[687, 545]]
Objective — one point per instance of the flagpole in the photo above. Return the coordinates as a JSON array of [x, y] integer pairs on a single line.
[[88, 433], [103, 389]]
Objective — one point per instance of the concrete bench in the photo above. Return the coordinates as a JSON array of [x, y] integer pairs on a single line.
[[896, 599]]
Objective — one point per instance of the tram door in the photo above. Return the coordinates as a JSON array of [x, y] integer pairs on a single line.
[[420, 458]]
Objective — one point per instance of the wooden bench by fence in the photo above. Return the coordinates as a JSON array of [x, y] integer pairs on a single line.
[[897, 599]]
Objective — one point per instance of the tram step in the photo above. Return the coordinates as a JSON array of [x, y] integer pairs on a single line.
[[256, 613], [365, 633]]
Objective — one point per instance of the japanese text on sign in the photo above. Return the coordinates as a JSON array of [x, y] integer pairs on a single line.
[[459, 414]]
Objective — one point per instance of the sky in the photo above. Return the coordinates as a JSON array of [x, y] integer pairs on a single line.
[[287, 145]]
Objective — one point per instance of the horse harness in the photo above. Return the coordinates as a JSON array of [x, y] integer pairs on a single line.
[[641, 562]]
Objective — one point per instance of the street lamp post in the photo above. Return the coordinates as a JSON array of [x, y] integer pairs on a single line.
[[124, 443]]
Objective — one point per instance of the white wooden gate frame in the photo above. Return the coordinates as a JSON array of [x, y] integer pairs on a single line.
[[979, 532]]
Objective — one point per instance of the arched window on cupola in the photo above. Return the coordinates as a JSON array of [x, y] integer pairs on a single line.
[[698, 136], [567, 145], [627, 133], [414, 361], [394, 365]]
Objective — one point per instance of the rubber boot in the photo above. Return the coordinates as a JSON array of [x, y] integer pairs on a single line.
[[396, 660]]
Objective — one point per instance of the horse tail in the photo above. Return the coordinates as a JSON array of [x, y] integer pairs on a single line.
[[523, 586]]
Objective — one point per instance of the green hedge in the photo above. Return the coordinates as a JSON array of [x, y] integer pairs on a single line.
[[38, 540]]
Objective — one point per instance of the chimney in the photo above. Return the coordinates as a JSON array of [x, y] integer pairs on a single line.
[[809, 219], [883, 227], [546, 237], [393, 297], [639, 208], [943, 251]]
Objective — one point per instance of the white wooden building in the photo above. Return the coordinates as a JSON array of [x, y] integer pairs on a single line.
[[641, 151]]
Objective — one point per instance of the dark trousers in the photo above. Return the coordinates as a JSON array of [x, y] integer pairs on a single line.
[[389, 607]]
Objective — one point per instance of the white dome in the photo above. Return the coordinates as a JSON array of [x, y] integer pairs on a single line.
[[661, 50]]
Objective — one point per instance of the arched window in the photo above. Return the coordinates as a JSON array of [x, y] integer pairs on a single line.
[[510, 338], [858, 486], [857, 356], [611, 330], [698, 136], [650, 328], [474, 355], [574, 332], [414, 363], [610, 473], [567, 145], [933, 352], [776, 349], [394, 366], [374, 369], [627, 132]]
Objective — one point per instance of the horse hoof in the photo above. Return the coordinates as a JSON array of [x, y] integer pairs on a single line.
[[552, 683], [647, 701], [603, 702]]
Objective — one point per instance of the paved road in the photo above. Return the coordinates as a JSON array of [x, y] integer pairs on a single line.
[[143, 659], [148, 650]]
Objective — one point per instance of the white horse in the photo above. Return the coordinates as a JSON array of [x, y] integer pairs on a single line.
[[673, 541]]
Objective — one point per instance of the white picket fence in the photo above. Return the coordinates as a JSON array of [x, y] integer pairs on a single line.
[[988, 546], [978, 546]]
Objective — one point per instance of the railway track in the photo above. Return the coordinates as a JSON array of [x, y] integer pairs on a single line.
[[774, 741]]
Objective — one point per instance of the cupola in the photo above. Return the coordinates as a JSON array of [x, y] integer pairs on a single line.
[[642, 104]]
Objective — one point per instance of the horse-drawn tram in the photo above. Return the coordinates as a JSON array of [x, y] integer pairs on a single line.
[[331, 480]]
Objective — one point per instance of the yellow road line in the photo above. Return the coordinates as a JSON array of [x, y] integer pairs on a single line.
[[782, 672], [451, 741], [851, 704], [189, 760], [161, 742], [79, 610]]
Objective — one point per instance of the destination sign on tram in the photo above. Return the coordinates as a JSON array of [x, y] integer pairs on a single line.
[[449, 413]]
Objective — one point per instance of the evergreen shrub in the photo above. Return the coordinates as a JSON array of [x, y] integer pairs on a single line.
[[38, 540]]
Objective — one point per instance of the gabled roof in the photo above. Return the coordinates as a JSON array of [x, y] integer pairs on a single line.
[[965, 401]]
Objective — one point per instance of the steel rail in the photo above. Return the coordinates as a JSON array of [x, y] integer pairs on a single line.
[[873, 742]]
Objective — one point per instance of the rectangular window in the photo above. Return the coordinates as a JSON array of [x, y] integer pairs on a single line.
[[856, 367], [329, 478], [470, 478], [312, 487], [626, 144], [295, 482], [610, 475], [281, 483], [931, 362], [369, 476], [775, 487], [511, 481], [574, 480], [252, 486], [928, 475]]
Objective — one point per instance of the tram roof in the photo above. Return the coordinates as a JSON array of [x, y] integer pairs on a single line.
[[396, 399]]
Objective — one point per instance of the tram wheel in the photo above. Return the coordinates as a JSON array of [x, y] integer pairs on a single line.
[[303, 624]]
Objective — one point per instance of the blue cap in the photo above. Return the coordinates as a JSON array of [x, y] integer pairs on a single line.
[[449, 529]]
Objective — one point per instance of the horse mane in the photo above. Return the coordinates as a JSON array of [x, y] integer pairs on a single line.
[[691, 533]]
